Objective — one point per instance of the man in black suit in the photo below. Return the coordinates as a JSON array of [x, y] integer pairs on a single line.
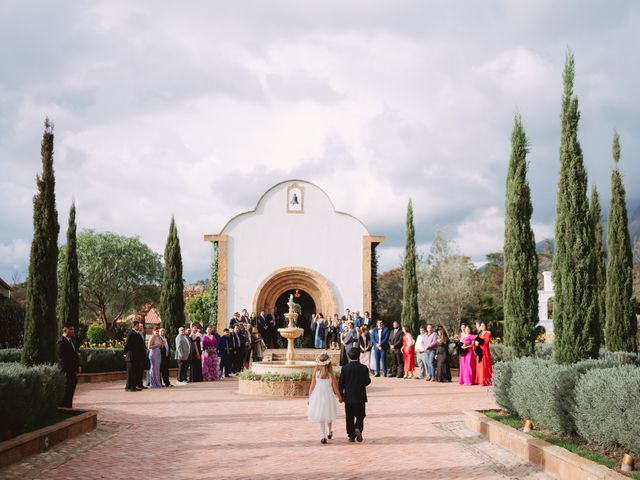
[[272, 324], [354, 379], [68, 363], [395, 345], [134, 351]]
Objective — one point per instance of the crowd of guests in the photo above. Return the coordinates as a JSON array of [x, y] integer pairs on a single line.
[[206, 355]]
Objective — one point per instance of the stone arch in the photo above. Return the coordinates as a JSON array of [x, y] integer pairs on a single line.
[[291, 278]]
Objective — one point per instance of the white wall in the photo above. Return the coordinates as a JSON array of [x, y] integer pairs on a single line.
[[270, 238]]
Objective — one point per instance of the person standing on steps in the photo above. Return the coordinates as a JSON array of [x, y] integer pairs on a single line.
[[354, 379]]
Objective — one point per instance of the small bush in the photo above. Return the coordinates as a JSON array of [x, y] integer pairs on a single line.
[[608, 407], [274, 377], [500, 352], [501, 384], [28, 395], [11, 323], [9, 355], [543, 351], [97, 334], [621, 358]]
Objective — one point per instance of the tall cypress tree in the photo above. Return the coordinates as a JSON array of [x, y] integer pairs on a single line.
[[40, 325], [574, 262], [621, 324], [70, 296], [601, 266], [409, 316], [172, 290], [520, 287]]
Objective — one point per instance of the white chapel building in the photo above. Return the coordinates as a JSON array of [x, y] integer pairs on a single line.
[[294, 242]]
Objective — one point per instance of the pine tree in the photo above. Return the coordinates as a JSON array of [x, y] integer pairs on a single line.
[[70, 297], [40, 326], [601, 265], [172, 290], [520, 287], [621, 322], [574, 262], [213, 285], [409, 316]]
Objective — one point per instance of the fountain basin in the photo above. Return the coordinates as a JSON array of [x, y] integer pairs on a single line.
[[291, 332], [283, 368]]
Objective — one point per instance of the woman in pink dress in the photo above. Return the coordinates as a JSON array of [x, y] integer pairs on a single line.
[[408, 353], [467, 359], [210, 361]]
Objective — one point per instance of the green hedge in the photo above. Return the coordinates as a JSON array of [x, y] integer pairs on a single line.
[[542, 390], [94, 360], [28, 395], [500, 352], [8, 355], [608, 407], [11, 323]]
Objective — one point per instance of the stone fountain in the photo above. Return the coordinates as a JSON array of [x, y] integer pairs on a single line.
[[291, 365]]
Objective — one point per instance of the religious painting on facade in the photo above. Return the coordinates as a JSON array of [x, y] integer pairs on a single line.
[[295, 199]]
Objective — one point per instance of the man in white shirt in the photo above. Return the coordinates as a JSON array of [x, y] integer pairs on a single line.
[[421, 352]]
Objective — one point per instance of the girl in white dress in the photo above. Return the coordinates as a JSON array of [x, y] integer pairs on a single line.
[[323, 406]]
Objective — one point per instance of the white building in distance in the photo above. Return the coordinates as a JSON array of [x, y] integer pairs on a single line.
[[294, 242]]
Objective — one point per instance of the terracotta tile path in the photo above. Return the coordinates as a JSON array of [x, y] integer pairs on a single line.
[[204, 431]]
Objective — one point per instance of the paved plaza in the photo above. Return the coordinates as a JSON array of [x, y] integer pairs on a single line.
[[203, 431]]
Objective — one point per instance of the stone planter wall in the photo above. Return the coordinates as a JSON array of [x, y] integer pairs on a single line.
[[554, 461], [22, 446], [274, 389]]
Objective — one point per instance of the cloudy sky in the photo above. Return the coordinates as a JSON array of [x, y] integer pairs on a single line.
[[196, 108]]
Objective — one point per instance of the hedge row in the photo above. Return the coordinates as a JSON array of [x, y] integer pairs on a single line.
[[28, 395], [593, 398], [92, 360]]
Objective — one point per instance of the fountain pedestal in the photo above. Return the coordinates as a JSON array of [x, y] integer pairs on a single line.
[[291, 332]]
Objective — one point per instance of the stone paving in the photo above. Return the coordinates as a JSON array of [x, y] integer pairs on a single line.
[[204, 431]]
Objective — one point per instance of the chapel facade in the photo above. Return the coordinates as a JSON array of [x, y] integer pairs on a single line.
[[294, 242]]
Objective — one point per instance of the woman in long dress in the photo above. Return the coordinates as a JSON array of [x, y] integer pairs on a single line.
[[365, 347], [467, 360], [333, 335], [443, 371], [408, 353], [210, 361], [484, 369], [323, 391], [320, 332], [195, 373], [154, 345]]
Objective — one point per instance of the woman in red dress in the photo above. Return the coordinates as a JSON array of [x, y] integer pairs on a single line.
[[484, 370], [408, 353]]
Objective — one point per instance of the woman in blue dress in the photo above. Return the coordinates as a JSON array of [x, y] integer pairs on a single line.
[[155, 343], [321, 332]]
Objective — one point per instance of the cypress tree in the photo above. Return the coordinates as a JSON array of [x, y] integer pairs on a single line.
[[574, 262], [213, 286], [40, 325], [601, 265], [621, 323], [409, 315], [520, 287], [70, 296], [172, 290]]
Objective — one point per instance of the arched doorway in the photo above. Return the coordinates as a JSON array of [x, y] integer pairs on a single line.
[[274, 291]]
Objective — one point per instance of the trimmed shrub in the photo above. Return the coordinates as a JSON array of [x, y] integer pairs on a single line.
[[500, 352], [501, 384], [543, 351], [28, 395], [621, 358], [608, 407], [8, 355], [95, 360], [11, 323], [97, 334]]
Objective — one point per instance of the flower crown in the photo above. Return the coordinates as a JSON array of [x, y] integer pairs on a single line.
[[323, 362]]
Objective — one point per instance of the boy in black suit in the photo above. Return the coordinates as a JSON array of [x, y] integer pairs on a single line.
[[354, 378]]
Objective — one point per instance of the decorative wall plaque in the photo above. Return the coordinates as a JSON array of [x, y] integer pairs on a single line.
[[295, 198]]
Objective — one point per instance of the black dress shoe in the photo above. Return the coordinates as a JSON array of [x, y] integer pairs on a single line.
[[131, 390], [377, 374], [358, 435], [352, 439], [323, 441], [330, 436]]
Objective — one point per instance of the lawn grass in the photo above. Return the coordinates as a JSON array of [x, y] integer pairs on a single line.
[[568, 443]]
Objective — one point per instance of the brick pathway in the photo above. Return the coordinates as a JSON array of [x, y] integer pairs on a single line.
[[413, 429]]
